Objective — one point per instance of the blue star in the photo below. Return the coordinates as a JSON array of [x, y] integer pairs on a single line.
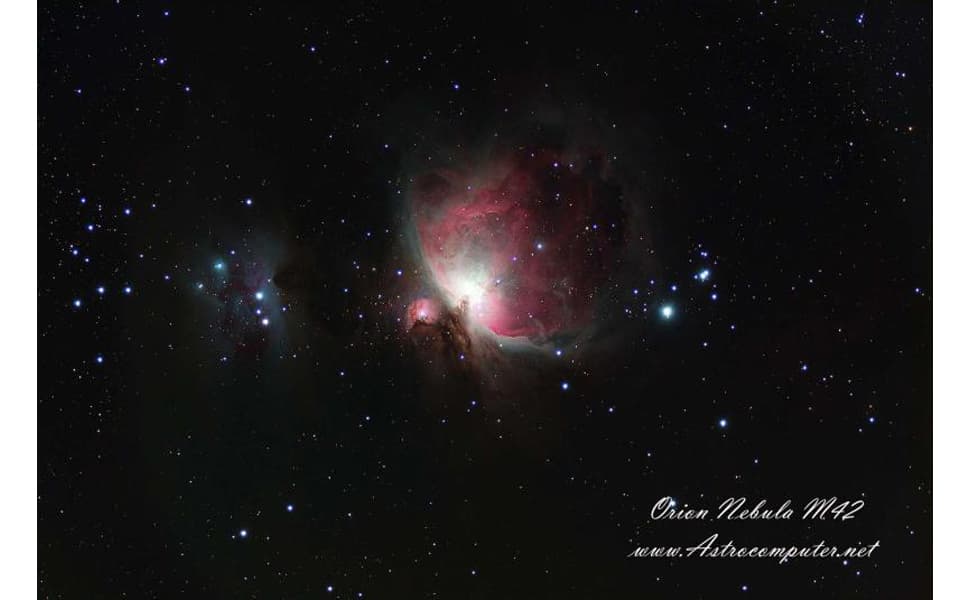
[[564, 385], [667, 311], [722, 423]]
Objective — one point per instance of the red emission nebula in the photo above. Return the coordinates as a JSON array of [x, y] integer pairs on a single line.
[[519, 245]]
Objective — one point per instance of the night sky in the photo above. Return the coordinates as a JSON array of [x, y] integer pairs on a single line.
[[437, 301]]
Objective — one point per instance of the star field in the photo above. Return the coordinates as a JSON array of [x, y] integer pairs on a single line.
[[436, 301]]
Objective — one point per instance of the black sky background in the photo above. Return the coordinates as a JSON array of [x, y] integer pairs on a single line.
[[782, 138]]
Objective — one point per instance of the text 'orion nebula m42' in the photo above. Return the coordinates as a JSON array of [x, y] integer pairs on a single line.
[[520, 244]]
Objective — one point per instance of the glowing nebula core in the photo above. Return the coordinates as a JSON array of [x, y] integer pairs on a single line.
[[520, 245], [422, 310]]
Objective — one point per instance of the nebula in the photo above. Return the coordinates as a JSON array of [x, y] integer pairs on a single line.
[[521, 244], [422, 310], [248, 308]]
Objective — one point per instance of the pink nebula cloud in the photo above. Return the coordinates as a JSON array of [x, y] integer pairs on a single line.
[[521, 245]]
